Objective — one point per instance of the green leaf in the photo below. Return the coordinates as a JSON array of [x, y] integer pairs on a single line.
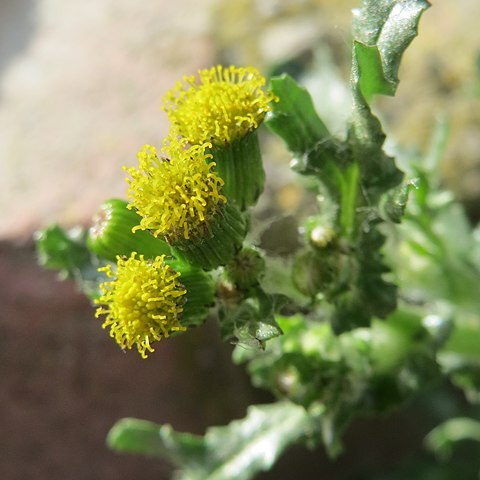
[[238, 450], [277, 280], [252, 444], [132, 435], [384, 29], [371, 75], [365, 138], [465, 341], [250, 322], [62, 250], [443, 438], [395, 202], [463, 372], [66, 252], [293, 117]]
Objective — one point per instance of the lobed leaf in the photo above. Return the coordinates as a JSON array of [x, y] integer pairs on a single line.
[[293, 117], [132, 435], [382, 30], [66, 251], [238, 450], [371, 75]]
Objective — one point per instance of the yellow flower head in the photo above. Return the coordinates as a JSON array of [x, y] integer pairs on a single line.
[[221, 105], [142, 303], [176, 196]]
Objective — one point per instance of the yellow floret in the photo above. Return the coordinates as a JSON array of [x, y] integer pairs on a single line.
[[175, 197], [221, 105], [142, 303]]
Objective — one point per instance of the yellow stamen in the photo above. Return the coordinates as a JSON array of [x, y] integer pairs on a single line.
[[221, 105], [142, 302], [175, 196]]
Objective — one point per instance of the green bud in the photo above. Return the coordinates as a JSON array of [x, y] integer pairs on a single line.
[[111, 233], [200, 292], [246, 268], [239, 164], [312, 272], [319, 233], [220, 240]]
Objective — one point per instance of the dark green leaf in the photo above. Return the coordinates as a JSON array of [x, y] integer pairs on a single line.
[[293, 117], [371, 76], [395, 202], [365, 137], [383, 29], [390, 26], [250, 322]]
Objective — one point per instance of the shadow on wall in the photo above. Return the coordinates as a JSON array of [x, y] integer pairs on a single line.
[[17, 28]]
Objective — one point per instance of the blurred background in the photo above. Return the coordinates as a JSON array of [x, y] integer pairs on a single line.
[[80, 88]]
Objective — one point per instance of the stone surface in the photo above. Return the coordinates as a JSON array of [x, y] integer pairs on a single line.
[[80, 89]]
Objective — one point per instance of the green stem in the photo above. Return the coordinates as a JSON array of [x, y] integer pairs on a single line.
[[464, 340], [348, 201]]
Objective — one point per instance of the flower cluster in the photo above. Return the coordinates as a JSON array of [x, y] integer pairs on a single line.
[[187, 203]]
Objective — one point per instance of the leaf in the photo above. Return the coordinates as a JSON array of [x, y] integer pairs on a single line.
[[395, 202], [132, 435], [238, 450], [384, 29], [62, 250], [66, 252], [293, 117], [365, 137], [250, 445], [250, 322], [277, 280], [371, 75], [465, 341], [442, 439]]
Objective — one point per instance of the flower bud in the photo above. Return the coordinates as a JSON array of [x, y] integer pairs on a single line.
[[312, 272], [111, 233], [246, 268]]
